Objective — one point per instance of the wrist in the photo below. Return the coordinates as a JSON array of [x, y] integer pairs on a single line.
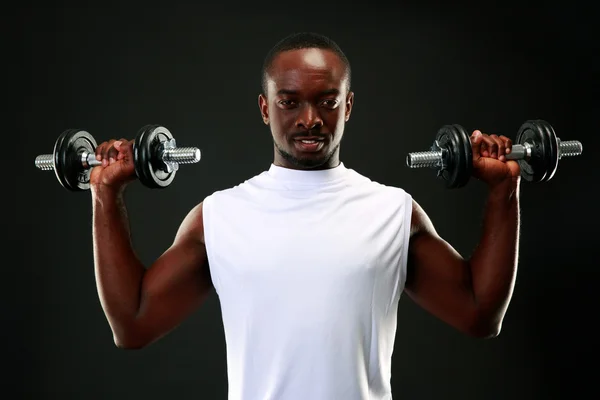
[[107, 192], [506, 188]]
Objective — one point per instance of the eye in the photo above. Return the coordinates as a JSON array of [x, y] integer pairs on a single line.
[[330, 103], [286, 102]]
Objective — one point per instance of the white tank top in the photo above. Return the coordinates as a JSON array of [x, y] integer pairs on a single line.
[[308, 267]]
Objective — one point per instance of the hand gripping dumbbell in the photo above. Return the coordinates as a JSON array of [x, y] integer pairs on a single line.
[[537, 149], [156, 158]]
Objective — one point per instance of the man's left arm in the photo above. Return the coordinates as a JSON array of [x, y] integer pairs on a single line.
[[471, 294]]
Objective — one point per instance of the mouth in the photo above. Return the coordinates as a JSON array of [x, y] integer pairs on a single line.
[[309, 144]]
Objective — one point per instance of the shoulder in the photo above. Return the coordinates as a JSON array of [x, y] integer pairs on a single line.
[[238, 190], [403, 202], [233, 197], [373, 186], [419, 220]]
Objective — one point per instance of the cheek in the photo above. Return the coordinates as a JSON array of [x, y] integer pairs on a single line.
[[335, 118], [277, 127], [280, 121]]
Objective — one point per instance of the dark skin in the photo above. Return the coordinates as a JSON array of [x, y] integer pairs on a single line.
[[307, 98]]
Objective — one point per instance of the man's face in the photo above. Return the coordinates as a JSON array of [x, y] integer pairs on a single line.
[[306, 107]]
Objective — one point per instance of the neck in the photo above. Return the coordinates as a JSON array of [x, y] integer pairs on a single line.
[[287, 162], [289, 165], [306, 176]]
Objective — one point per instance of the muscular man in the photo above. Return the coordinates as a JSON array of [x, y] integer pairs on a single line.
[[308, 258]]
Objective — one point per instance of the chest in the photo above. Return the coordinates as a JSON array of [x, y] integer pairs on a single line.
[[335, 248]]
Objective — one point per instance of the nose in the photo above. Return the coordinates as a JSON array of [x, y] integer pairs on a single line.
[[309, 118]]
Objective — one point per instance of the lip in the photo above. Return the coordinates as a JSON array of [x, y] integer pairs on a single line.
[[309, 147], [317, 138]]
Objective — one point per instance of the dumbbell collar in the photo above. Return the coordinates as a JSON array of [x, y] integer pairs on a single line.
[[442, 162], [165, 146]]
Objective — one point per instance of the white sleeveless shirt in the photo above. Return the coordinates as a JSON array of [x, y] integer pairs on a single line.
[[308, 267]]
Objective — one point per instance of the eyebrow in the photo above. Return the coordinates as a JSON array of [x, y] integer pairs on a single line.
[[295, 92]]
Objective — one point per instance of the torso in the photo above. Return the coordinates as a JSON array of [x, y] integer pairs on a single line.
[[308, 275]]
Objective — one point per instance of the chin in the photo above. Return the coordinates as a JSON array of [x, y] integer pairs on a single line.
[[302, 160], [311, 161]]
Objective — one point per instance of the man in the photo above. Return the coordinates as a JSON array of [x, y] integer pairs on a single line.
[[308, 258]]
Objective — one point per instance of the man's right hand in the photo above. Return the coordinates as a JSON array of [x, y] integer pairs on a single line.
[[117, 169]]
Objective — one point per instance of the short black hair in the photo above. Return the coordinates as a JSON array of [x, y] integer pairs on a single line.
[[302, 40]]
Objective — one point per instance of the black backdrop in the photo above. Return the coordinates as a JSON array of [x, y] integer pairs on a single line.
[[195, 69]]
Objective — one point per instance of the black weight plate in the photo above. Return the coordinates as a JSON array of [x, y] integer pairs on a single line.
[[149, 168], [459, 166], [552, 155], [543, 162], [67, 159]]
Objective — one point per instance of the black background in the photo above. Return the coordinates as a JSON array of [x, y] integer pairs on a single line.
[[110, 69]]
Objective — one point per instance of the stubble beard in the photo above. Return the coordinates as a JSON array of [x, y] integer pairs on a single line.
[[305, 163]]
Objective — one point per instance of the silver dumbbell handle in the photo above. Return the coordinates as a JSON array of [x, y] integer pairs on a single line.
[[424, 159], [567, 148], [171, 156], [45, 162]]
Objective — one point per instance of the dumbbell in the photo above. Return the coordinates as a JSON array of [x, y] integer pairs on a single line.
[[537, 149], [156, 157]]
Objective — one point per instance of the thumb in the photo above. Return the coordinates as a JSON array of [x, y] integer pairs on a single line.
[[476, 141]]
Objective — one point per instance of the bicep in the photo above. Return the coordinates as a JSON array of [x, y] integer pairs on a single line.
[[438, 277], [178, 281]]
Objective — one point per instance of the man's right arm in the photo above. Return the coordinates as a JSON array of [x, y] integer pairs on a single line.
[[144, 304]]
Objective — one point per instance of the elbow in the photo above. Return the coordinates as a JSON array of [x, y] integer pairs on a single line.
[[129, 340], [128, 344], [482, 327], [485, 333]]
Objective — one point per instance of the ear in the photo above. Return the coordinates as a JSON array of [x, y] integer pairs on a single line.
[[349, 104], [264, 108]]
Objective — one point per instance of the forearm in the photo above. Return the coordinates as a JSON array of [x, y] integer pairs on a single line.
[[118, 270], [493, 265]]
